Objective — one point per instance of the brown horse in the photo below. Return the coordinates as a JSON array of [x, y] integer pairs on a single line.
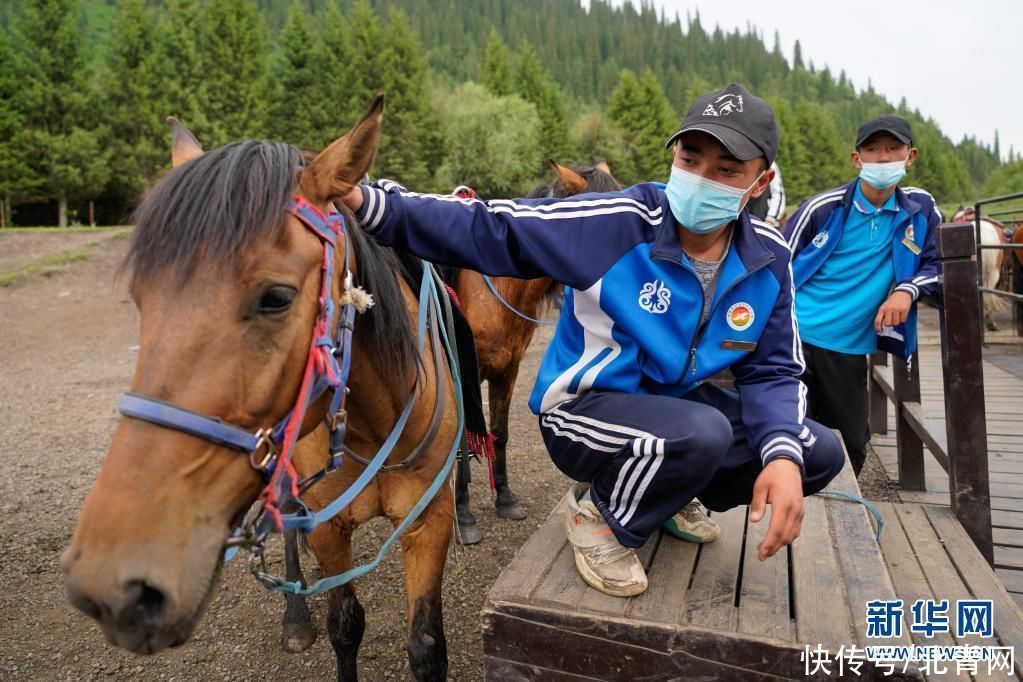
[[228, 284], [502, 336]]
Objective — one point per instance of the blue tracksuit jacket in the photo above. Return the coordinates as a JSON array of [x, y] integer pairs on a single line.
[[632, 307], [816, 227]]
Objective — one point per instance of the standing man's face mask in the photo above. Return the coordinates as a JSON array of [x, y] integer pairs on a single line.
[[881, 176], [701, 205]]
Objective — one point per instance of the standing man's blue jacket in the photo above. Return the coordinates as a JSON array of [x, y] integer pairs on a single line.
[[816, 227], [630, 317]]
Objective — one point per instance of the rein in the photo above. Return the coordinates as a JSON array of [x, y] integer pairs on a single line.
[[328, 367], [509, 306]]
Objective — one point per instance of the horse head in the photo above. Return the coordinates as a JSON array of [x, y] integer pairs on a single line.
[[228, 287]]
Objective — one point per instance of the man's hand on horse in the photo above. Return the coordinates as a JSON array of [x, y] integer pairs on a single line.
[[780, 484], [353, 200], [893, 311]]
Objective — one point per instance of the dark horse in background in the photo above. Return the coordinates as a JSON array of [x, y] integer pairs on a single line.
[[228, 283], [502, 337]]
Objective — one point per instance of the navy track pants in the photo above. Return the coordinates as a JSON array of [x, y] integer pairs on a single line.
[[647, 456]]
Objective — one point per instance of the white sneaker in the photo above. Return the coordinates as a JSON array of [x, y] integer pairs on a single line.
[[692, 525], [602, 562]]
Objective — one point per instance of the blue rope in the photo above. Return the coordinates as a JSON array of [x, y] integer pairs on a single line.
[[442, 476], [509, 306], [856, 498]]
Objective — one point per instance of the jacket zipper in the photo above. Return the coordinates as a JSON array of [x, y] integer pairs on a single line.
[[691, 360]]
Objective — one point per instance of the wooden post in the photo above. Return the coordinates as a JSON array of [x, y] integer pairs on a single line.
[[92, 214], [906, 381], [877, 400], [963, 375], [1017, 287]]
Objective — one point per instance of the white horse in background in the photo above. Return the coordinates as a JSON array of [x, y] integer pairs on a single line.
[[992, 233]]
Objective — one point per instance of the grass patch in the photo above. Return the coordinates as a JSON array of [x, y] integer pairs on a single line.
[[46, 266]]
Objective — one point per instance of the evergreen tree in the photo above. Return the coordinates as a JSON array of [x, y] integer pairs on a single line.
[[16, 175], [337, 75], [234, 56], [997, 151], [298, 112], [599, 138], [535, 86], [60, 108], [411, 145], [184, 83], [643, 114], [133, 84], [797, 56], [495, 71], [370, 58]]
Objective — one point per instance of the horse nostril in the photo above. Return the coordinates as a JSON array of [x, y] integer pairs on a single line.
[[84, 604], [146, 604]]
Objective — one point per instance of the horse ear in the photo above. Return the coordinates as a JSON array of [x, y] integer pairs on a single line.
[[571, 181], [340, 167], [185, 147], [602, 166]]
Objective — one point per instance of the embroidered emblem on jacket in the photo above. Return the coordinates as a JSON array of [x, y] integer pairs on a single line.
[[821, 239], [655, 297], [740, 316]]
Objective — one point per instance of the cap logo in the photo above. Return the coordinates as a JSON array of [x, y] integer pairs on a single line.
[[740, 316], [724, 105]]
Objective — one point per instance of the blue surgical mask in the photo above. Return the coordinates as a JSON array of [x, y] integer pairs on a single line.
[[701, 205], [883, 175]]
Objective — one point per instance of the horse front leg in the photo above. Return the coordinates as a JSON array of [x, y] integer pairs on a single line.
[[500, 393], [297, 630], [346, 619], [424, 550]]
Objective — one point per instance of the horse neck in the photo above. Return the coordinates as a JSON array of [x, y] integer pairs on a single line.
[[376, 403]]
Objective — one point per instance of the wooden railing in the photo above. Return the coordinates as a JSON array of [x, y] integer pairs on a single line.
[[961, 446]]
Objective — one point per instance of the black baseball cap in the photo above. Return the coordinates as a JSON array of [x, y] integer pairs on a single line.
[[896, 126], [741, 121]]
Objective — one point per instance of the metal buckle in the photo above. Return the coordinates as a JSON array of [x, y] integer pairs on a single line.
[[265, 439]]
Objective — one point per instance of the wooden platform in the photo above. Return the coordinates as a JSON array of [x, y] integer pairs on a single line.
[[1004, 401], [714, 612]]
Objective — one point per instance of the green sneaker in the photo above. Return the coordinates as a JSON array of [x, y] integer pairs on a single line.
[[692, 525]]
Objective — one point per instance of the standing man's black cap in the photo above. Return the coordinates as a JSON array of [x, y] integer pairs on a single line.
[[740, 120], [896, 126]]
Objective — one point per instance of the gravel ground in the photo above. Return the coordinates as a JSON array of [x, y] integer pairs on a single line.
[[66, 340]]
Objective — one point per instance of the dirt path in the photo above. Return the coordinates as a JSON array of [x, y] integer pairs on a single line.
[[66, 359], [19, 247]]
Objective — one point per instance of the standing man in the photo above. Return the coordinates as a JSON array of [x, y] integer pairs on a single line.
[[770, 206], [863, 254], [665, 287]]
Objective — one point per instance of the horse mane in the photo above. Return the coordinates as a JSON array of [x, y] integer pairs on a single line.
[[596, 181], [214, 208]]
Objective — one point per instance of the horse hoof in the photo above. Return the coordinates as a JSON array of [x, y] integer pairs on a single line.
[[468, 534], [297, 637], [511, 512]]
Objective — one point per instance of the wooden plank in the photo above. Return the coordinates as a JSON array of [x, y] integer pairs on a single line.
[[669, 576], [1008, 537], [711, 599], [979, 578], [764, 590], [908, 575], [1007, 519], [1011, 580], [562, 587], [499, 669], [863, 568], [532, 562], [941, 575], [814, 582], [1008, 557]]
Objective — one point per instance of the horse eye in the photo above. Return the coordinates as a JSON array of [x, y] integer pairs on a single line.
[[276, 300]]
